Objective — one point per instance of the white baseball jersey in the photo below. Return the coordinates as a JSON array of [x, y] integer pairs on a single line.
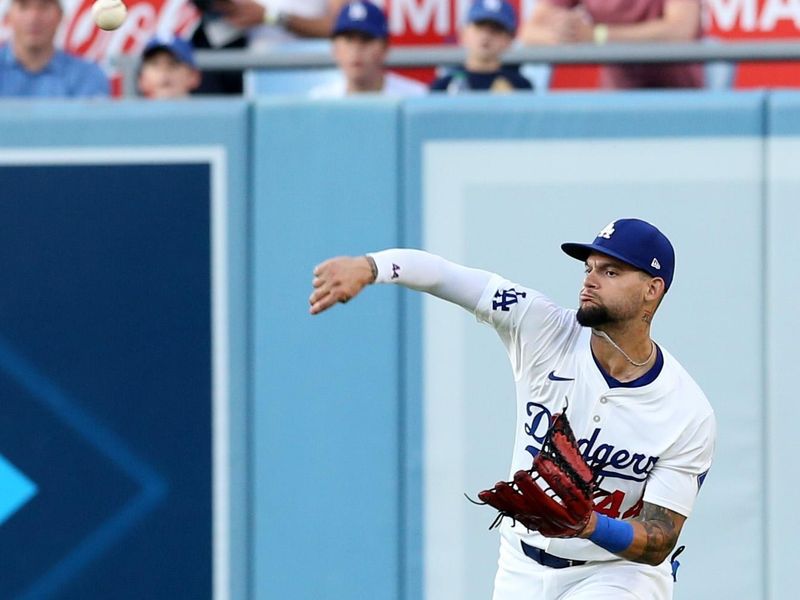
[[654, 436], [394, 86]]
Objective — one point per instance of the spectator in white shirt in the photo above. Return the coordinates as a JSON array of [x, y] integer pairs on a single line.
[[360, 45]]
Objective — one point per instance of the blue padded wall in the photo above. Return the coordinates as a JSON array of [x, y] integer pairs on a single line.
[[326, 397], [123, 347], [781, 325]]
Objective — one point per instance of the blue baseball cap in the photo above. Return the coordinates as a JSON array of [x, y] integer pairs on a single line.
[[497, 11], [178, 47], [362, 17], [635, 242]]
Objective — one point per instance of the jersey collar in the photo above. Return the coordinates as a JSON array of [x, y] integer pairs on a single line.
[[646, 379]]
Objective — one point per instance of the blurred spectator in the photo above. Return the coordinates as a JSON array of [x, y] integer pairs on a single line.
[[272, 22], [601, 21], [168, 69], [489, 32], [259, 25], [360, 45], [30, 64]]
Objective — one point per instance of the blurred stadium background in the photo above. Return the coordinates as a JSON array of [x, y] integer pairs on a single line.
[[173, 423]]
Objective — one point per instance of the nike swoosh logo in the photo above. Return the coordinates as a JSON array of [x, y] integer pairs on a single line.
[[553, 377]]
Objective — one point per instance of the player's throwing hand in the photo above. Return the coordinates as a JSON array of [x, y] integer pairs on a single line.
[[339, 280]]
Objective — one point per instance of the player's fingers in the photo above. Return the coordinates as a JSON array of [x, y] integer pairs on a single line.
[[317, 282], [318, 295], [323, 303], [323, 267], [319, 304], [323, 297]]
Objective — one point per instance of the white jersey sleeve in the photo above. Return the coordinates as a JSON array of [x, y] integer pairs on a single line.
[[426, 272], [524, 318], [531, 326], [677, 477]]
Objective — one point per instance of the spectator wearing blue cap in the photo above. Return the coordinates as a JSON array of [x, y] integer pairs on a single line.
[[360, 44], [32, 66], [168, 70], [489, 32]]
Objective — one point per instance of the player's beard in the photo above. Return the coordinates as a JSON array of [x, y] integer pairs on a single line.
[[594, 316]]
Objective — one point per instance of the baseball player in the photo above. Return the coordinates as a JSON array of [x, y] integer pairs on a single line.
[[641, 422]]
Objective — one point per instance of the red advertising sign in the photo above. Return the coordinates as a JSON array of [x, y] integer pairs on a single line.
[[81, 36], [757, 20]]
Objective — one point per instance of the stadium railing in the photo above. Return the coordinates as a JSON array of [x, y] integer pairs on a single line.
[[706, 51]]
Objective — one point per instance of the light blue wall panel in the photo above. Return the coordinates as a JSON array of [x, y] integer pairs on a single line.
[[172, 127], [326, 388], [523, 175], [782, 325], [560, 116]]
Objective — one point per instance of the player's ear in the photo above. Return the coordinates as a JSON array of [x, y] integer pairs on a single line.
[[655, 289]]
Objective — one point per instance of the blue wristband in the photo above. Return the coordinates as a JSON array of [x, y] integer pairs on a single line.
[[611, 534]]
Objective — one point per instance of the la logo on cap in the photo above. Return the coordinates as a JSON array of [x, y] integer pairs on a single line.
[[357, 12], [607, 231], [492, 5]]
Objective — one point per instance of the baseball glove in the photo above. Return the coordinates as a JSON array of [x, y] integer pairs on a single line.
[[555, 496]]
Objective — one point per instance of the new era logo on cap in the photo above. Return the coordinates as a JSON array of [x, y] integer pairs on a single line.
[[632, 241]]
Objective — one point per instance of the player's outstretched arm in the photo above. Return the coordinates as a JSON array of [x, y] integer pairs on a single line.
[[647, 539], [340, 279]]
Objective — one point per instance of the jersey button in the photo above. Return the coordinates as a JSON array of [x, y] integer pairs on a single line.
[[603, 400], [596, 419]]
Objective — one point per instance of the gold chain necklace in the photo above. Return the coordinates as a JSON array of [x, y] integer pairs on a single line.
[[606, 337]]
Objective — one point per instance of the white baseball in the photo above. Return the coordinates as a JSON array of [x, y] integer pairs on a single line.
[[109, 14]]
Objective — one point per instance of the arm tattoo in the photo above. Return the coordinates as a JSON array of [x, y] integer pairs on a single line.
[[373, 267], [662, 532]]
